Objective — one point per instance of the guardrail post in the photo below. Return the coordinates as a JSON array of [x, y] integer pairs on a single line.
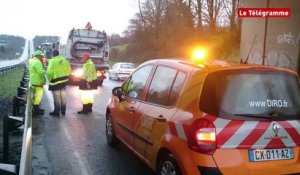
[[21, 103], [17, 103], [14, 112], [21, 91], [22, 83], [5, 138]]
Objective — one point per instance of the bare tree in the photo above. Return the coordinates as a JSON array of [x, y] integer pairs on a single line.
[[177, 28], [199, 14], [136, 24], [189, 2], [211, 12], [231, 10], [153, 12], [141, 14]]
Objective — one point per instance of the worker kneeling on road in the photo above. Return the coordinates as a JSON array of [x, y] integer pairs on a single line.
[[87, 84], [58, 73], [37, 81]]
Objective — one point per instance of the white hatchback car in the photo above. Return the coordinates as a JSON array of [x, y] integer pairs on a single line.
[[121, 70]]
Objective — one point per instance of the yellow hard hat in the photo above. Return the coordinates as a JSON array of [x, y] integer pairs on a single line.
[[38, 52]]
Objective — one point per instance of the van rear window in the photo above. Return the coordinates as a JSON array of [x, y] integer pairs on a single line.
[[243, 94]]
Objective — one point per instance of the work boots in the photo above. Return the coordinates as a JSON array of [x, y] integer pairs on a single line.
[[84, 109], [37, 111], [54, 113], [90, 106], [41, 110]]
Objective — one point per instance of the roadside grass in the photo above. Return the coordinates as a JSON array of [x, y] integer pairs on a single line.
[[10, 82]]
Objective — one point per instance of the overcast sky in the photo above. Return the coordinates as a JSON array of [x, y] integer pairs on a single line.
[[28, 18]]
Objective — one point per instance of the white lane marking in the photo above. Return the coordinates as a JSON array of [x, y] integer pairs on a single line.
[[84, 166]]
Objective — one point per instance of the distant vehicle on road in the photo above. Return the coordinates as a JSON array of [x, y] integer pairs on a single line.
[[121, 70], [183, 118], [48, 47]]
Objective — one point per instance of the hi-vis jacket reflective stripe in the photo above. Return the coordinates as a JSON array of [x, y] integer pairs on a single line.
[[89, 71], [242, 134], [58, 70], [36, 71]]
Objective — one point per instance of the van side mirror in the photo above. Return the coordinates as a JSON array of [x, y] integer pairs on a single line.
[[118, 91]]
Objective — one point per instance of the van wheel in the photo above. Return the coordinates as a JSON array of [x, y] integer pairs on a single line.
[[111, 139], [168, 165]]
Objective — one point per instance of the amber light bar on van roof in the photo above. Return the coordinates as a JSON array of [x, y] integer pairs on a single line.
[[199, 55]]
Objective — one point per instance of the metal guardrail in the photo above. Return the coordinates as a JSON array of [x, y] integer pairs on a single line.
[[26, 155], [8, 69], [22, 116], [24, 109]]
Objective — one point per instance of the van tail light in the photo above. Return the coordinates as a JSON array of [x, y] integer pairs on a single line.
[[202, 136]]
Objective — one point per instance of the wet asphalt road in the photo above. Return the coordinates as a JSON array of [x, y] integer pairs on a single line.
[[75, 144]]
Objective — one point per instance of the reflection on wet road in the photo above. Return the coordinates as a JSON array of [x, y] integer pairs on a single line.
[[75, 144]]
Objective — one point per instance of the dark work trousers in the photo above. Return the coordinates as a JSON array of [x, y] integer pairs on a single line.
[[59, 97]]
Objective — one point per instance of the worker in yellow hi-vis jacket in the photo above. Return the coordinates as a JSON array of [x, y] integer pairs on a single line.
[[58, 73], [37, 80], [87, 84]]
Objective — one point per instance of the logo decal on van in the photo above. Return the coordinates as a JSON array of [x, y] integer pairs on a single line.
[[275, 128]]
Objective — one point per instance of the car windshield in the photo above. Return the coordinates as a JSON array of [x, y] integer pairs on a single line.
[[256, 94], [127, 66]]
